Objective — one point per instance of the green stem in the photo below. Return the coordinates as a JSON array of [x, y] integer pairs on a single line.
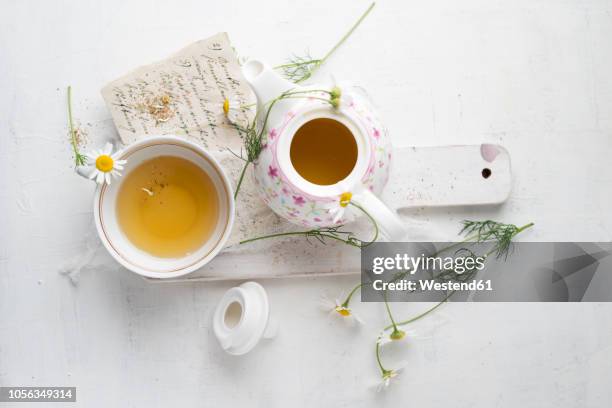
[[296, 233], [79, 160], [523, 228], [376, 231], [306, 91], [389, 311], [309, 97], [242, 173], [326, 234], [456, 244], [348, 34], [350, 295], [383, 370], [293, 64], [425, 313], [280, 234], [342, 40], [265, 122]]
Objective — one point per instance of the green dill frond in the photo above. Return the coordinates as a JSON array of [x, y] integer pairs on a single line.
[[80, 159], [487, 231], [299, 68], [467, 274]]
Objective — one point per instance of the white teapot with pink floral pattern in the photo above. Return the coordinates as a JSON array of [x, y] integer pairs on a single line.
[[323, 150]]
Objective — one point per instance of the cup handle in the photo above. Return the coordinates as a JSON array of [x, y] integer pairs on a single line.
[[390, 226]]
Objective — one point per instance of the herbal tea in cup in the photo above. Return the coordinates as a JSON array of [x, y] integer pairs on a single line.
[[167, 206], [170, 213]]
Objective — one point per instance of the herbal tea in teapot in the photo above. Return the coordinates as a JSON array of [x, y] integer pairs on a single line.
[[323, 151], [320, 145]]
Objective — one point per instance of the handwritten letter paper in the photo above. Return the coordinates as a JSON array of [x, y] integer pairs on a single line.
[[182, 95]]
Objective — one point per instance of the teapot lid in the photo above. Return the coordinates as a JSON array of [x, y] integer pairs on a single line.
[[241, 318]]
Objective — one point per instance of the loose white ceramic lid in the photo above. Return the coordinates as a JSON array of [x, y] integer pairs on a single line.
[[255, 315]]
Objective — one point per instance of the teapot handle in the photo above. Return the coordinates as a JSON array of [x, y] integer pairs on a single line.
[[389, 224]]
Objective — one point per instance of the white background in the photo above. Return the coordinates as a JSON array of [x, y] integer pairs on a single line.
[[535, 76]]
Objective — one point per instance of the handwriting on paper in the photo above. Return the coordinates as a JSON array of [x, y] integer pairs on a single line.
[[182, 95]]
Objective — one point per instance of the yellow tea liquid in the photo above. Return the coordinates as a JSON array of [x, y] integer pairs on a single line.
[[167, 206], [323, 151]]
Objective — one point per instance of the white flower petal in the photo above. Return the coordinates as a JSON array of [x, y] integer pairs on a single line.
[[93, 174], [100, 178], [326, 304], [108, 148], [331, 206], [334, 210], [357, 318], [339, 215], [385, 336], [383, 339], [383, 385], [107, 178]]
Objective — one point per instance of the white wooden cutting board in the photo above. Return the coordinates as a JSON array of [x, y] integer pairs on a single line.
[[420, 177]]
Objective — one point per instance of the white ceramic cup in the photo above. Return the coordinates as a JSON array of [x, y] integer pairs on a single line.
[[132, 257]]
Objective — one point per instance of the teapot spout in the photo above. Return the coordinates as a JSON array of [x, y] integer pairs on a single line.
[[267, 85]]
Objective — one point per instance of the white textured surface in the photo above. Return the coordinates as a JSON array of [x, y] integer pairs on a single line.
[[533, 76]]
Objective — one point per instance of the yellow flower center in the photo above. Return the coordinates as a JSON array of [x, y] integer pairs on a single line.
[[345, 199], [104, 163], [388, 374], [226, 106], [343, 311], [397, 334]]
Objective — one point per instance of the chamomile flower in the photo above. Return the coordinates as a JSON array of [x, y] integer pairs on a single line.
[[338, 98], [103, 164], [335, 92], [395, 334], [335, 97], [390, 335], [388, 377], [233, 111], [339, 310], [338, 208]]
